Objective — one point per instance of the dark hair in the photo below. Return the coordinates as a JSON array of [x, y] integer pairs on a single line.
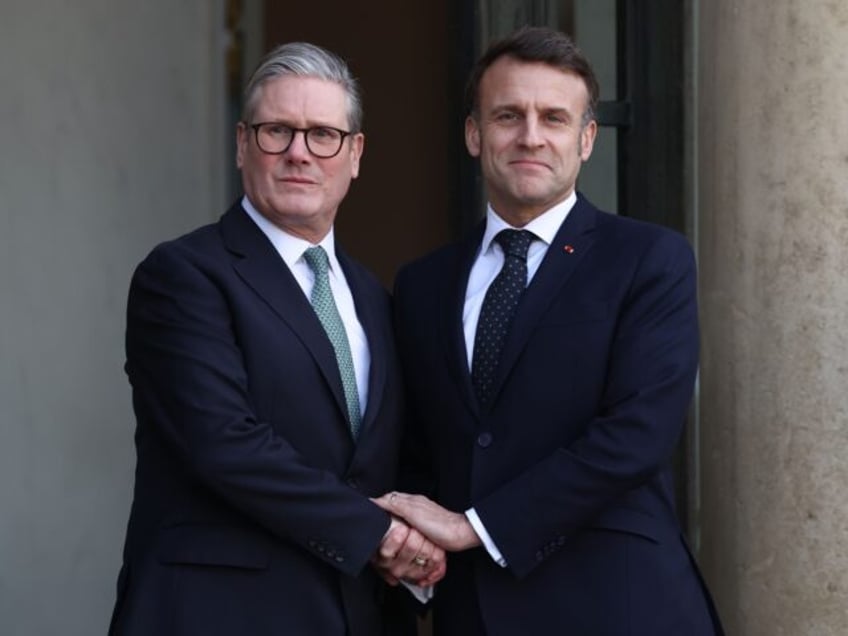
[[535, 44]]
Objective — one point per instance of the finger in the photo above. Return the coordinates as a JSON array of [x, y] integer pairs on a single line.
[[402, 505], [411, 547], [433, 576], [405, 565], [423, 558], [438, 555], [394, 540], [421, 565], [430, 560], [425, 551], [394, 498], [386, 501]]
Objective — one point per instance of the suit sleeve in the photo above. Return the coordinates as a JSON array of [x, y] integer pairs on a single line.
[[651, 372], [190, 390]]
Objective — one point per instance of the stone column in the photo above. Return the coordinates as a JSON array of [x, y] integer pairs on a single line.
[[772, 165]]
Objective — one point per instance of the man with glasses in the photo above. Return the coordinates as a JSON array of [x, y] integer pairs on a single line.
[[267, 395]]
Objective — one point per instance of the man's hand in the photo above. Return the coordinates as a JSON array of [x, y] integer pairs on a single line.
[[406, 554], [451, 530]]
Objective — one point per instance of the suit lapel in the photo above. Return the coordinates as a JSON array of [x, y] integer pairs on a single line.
[[261, 267], [571, 243]]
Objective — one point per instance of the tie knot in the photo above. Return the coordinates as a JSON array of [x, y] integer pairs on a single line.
[[317, 260], [515, 242]]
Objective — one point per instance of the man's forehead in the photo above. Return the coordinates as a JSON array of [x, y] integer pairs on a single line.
[[305, 93], [509, 79]]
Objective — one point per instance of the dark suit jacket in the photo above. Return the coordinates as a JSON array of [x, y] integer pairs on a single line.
[[569, 467], [250, 513]]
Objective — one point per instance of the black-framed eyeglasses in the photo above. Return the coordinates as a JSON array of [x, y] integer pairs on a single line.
[[274, 138]]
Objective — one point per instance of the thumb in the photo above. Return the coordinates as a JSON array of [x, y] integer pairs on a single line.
[[386, 501]]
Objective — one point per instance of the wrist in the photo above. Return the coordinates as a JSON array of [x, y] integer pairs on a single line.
[[468, 537]]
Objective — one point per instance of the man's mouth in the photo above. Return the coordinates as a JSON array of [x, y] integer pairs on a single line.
[[529, 163], [297, 180]]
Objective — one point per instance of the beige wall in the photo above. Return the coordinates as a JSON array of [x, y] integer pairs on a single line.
[[110, 129], [773, 224]]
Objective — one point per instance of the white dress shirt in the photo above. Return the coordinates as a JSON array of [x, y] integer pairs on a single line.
[[487, 265], [291, 249]]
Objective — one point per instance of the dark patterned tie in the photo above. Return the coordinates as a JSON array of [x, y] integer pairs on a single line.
[[327, 312], [498, 309]]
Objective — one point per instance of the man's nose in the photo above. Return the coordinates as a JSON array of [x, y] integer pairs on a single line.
[[531, 132], [297, 150]]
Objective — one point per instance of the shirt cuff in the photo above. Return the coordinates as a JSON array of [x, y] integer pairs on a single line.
[[480, 529], [421, 594]]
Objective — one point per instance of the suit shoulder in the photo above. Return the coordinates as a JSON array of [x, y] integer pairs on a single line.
[[205, 239], [635, 227], [195, 246], [631, 233], [193, 239]]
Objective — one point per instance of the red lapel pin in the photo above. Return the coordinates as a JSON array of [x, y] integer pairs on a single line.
[[568, 249]]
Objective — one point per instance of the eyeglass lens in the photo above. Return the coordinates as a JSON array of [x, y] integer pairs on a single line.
[[321, 141]]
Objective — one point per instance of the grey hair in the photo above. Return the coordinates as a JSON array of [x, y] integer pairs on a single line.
[[305, 60]]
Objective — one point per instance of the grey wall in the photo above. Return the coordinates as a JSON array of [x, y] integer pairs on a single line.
[[110, 141]]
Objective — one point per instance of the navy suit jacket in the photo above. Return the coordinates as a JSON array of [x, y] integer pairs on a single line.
[[568, 468], [251, 511]]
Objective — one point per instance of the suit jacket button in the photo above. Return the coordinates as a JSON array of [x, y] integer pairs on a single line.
[[353, 482], [484, 440], [339, 558]]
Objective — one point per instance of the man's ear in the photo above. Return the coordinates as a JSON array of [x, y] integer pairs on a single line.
[[357, 147], [472, 136], [241, 143], [587, 139]]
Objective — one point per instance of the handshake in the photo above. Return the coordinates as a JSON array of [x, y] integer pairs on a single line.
[[421, 532]]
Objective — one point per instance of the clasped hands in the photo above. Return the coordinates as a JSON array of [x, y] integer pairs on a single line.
[[420, 533]]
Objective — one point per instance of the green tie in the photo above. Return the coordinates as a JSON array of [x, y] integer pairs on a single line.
[[328, 314]]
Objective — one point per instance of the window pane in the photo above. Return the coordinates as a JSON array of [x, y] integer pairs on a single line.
[[594, 29]]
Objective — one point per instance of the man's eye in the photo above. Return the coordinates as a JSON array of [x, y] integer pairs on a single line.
[[323, 133], [276, 130], [506, 117]]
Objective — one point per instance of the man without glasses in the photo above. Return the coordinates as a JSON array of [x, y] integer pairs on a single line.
[[550, 359]]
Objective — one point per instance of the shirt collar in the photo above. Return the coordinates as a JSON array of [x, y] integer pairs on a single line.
[[545, 226], [290, 247]]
